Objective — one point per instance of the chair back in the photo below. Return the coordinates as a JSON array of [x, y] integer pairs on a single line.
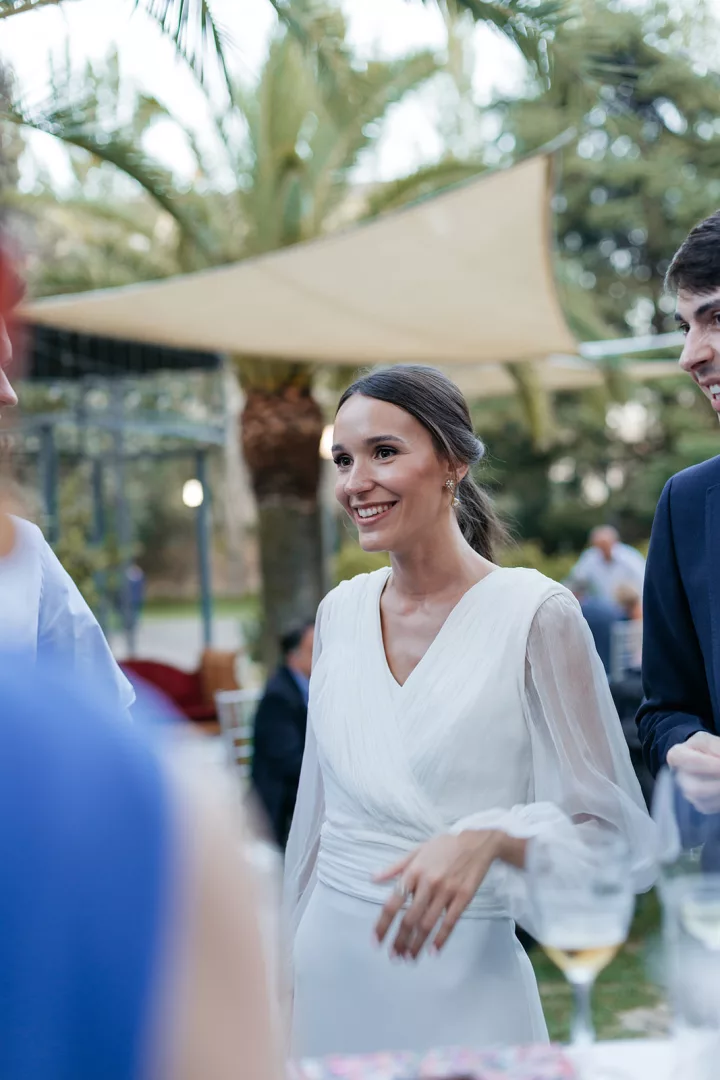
[[625, 647], [236, 713]]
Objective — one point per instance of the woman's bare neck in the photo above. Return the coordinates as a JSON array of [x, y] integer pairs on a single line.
[[437, 566]]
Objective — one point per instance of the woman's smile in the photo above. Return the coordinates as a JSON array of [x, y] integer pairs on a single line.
[[371, 513]]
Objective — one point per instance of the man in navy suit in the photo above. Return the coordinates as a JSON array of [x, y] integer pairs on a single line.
[[280, 726], [679, 719]]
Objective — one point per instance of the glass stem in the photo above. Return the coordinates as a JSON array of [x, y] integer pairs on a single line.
[[582, 1032]]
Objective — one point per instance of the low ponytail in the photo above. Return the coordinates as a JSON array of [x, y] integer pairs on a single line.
[[478, 520], [437, 403]]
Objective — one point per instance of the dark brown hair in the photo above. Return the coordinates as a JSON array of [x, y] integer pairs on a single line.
[[696, 263], [437, 403]]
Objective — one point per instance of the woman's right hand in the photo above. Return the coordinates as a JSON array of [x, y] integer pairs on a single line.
[[441, 877]]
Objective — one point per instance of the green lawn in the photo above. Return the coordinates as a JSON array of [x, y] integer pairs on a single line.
[[240, 607], [623, 986]]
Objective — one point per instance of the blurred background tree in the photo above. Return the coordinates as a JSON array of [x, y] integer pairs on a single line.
[[644, 167], [638, 83]]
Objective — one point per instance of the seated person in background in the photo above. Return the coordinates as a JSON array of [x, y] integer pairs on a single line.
[[280, 726], [630, 600], [601, 615], [626, 682], [607, 564]]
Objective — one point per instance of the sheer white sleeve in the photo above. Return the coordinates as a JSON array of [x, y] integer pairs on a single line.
[[304, 838], [581, 769]]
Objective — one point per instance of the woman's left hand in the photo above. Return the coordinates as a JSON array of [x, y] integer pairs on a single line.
[[441, 876]]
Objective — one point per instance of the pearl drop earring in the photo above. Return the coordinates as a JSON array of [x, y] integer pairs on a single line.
[[450, 485]]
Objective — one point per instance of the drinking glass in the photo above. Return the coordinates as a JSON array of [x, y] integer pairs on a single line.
[[686, 809], [582, 903]]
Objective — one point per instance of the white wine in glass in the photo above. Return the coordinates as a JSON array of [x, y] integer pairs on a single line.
[[582, 963], [583, 910]]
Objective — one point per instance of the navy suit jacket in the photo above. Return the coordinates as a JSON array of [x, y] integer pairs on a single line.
[[280, 726], [681, 632]]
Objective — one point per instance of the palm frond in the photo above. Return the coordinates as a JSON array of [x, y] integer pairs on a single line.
[[526, 23], [351, 121], [190, 24], [321, 33], [72, 124], [198, 37], [18, 7], [426, 181]]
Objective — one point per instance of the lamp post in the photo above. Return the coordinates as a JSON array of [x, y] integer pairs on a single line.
[[195, 495]]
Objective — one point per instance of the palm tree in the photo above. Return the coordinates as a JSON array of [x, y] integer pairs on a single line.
[[295, 171], [290, 144]]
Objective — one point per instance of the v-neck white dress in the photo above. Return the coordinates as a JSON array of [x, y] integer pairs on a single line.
[[506, 722]]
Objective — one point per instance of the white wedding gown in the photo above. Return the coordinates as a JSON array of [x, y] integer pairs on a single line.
[[508, 722]]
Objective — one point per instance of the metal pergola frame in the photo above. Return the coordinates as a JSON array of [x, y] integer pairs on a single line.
[[202, 440]]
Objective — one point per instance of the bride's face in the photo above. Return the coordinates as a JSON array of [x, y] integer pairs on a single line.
[[390, 480]]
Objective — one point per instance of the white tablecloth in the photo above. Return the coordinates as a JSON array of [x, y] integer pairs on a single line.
[[633, 1059]]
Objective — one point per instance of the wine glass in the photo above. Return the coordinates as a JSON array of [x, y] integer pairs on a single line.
[[582, 903], [686, 809]]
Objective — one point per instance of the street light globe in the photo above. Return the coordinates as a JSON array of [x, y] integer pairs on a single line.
[[192, 493], [326, 443]]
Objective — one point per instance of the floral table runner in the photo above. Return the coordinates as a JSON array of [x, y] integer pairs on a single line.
[[513, 1063]]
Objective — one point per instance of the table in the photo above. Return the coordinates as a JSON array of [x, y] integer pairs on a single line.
[[632, 1059]]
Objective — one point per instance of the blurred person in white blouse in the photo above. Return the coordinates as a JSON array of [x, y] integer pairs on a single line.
[[42, 612], [608, 564]]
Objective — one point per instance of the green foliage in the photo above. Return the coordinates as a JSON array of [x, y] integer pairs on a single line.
[[529, 553], [352, 560], [528, 24], [606, 463], [294, 169], [82, 560], [644, 168]]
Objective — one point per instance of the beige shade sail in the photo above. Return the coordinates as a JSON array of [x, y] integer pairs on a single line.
[[464, 277], [554, 374]]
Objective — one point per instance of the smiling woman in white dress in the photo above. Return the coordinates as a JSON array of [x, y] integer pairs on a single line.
[[457, 709]]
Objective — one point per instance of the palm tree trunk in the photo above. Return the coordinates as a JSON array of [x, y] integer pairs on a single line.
[[281, 427]]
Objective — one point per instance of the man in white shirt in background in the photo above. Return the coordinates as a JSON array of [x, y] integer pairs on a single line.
[[42, 612], [608, 564]]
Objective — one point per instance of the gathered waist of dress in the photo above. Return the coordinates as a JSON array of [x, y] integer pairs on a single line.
[[348, 860]]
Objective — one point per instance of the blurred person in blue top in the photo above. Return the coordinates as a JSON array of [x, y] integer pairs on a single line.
[[42, 612], [130, 944], [601, 615], [607, 564], [280, 726]]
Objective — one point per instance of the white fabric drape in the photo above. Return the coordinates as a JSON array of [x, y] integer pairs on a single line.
[[582, 772]]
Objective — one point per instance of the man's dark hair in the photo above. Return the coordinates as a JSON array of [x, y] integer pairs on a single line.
[[291, 639], [696, 263]]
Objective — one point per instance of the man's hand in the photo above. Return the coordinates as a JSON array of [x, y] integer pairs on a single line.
[[697, 766]]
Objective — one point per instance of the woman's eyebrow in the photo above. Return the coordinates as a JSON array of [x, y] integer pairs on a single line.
[[372, 440]]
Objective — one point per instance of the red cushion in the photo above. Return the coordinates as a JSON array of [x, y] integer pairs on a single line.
[[183, 688]]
